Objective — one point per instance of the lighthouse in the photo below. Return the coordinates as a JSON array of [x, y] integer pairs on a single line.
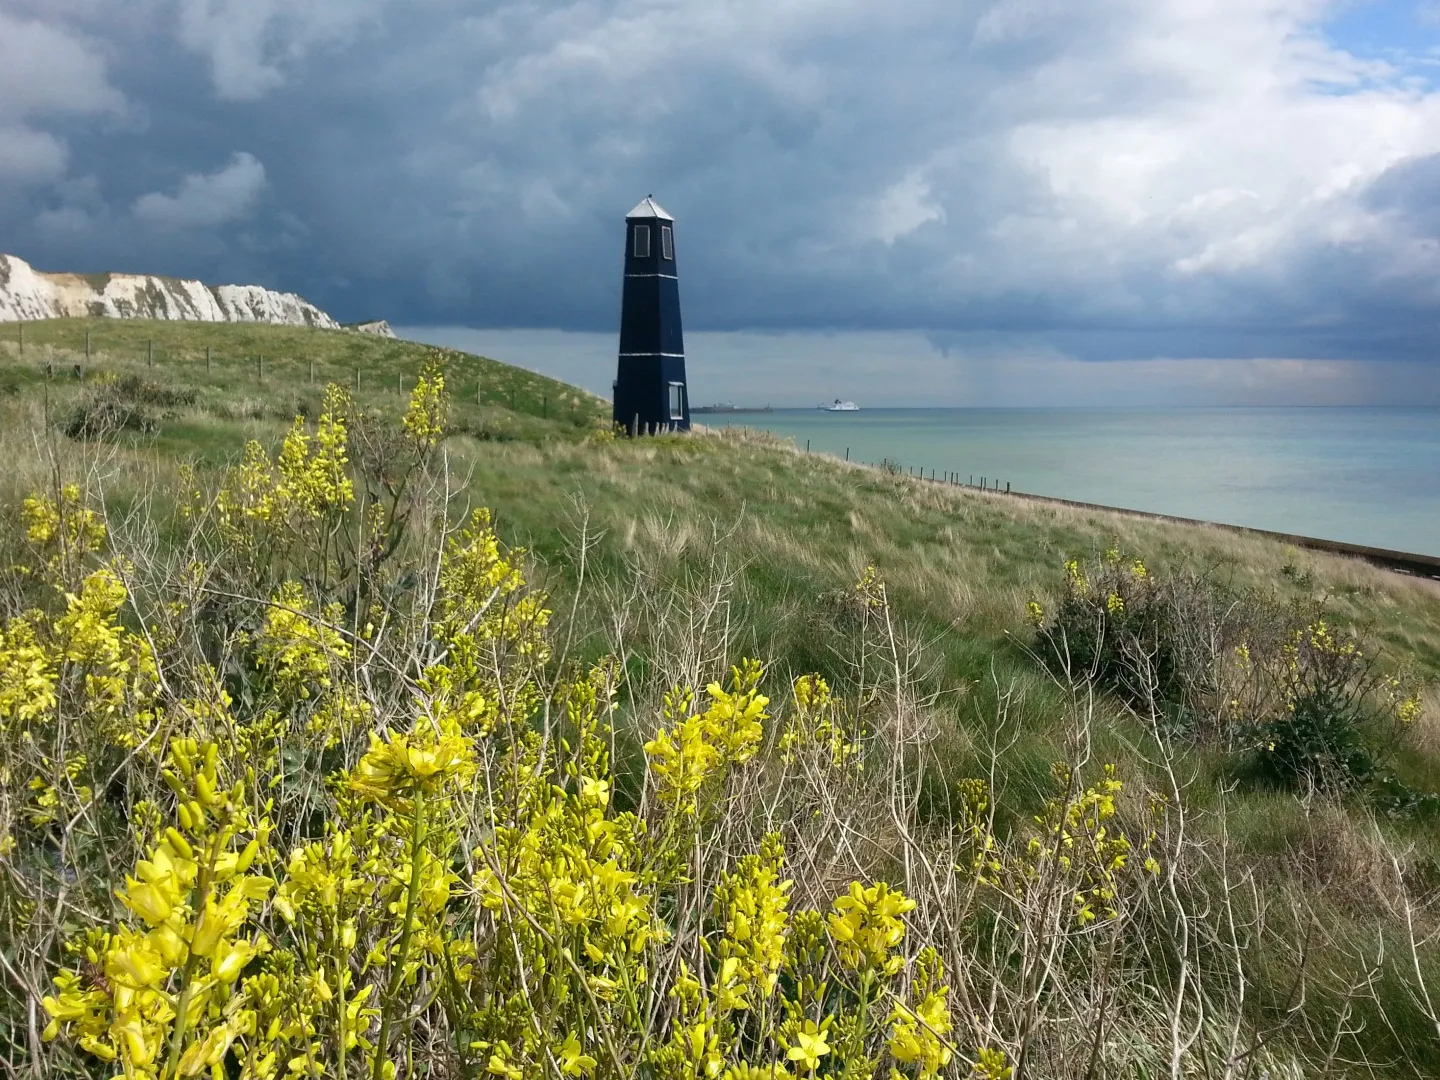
[[650, 392]]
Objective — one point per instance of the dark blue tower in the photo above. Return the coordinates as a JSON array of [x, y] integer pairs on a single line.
[[650, 392]]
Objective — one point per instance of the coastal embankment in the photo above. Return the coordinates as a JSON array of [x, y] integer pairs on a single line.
[[1405, 562]]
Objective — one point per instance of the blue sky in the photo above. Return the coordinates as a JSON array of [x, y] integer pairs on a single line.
[[1397, 30], [929, 201]]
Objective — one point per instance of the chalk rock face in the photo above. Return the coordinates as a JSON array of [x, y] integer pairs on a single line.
[[27, 293], [378, 327]]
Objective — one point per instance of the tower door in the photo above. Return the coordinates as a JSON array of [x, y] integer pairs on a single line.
[[677, 401]]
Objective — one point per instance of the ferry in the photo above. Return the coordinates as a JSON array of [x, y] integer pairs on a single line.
[[840, 406]]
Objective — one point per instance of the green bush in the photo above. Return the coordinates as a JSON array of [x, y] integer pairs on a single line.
[[1310, 705], [126, 403]]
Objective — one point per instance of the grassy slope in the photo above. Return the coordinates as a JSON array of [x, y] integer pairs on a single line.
[[794, 529], [258, 371], [959, 563]]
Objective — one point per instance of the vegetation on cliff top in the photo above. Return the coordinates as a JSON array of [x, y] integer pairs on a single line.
[[412, 732]]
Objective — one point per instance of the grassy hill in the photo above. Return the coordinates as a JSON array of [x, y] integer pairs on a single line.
[[242, 372], [679, 554]]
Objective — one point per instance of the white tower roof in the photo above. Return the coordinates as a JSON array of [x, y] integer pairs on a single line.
[[648, 207]]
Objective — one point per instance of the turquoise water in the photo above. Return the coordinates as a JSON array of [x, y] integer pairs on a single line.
[[1363, 475]]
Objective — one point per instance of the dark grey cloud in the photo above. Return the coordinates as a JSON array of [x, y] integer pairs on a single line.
[[1139, 179]]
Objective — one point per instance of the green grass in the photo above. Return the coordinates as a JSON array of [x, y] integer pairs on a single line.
[[672, 517], [257, 368], [959, 563]]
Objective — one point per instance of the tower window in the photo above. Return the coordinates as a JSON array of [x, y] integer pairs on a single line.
[[677, 401], [667, 242], [642, 241]]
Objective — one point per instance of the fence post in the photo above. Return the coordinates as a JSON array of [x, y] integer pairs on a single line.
[[545, 407], [260, 368], [1007, 487], [312, 372], [357, 380], [150, 352], [207, 359], [807, 446], [87, 346], [22, 339], [847, 453]]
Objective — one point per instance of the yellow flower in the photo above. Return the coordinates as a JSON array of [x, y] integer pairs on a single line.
[[397, 767], [808, 1046], [296, 646], [686, 757], [745, 1071], [818, 724], [231, 961], [148, 901], [917, 1035], [866, 925], [571, 1059], [754, 905], [424, 421], [27, 672], [990, 1065]]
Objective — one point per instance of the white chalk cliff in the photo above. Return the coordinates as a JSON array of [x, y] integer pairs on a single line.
[[378, 327], [27, 293]]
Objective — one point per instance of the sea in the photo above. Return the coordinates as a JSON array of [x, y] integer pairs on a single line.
[[1362, 475]]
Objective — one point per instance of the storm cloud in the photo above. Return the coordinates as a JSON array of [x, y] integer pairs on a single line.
[[1126, 180]]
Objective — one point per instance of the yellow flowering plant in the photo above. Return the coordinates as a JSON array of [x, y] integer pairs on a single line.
[[690, 757], [64, 533], [333, 799], [819, 727], [159, 995]]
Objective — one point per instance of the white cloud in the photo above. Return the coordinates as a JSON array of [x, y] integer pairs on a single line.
[[205, 200], [45, 69], [1181, 168], [251, 43], [1107, 141], [45, 72], [901, 209], [27, 156]]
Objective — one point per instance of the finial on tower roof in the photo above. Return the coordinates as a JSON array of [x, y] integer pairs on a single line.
[[649, 208]]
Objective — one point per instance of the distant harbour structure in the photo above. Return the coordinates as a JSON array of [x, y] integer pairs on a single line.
[[650, 391]]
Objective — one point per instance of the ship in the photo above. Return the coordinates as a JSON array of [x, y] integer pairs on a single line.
[[729, 407], [840, 406]]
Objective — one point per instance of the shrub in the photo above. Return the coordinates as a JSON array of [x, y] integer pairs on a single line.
[[126, 403], [1311, 703]]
